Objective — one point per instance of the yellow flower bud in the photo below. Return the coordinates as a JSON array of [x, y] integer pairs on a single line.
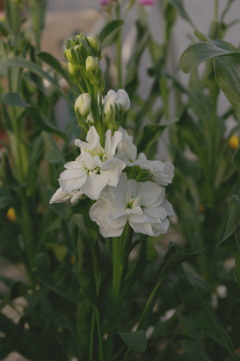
[[92, 64], [234, 142], [74, 72], [93, 70], [11, 215], [94, 44]]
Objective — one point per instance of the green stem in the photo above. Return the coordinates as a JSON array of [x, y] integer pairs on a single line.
[[91, 342], [99, 332], [216, 10], [119, 51], [120, 255], [146, 311]]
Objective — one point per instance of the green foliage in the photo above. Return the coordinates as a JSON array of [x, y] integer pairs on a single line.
[[165, 292]]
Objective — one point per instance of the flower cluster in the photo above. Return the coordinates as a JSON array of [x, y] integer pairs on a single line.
[[123, 186], [110, 174]]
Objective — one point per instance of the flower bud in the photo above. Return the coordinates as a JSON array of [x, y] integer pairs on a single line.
[[70, 55], [93, 70], [123, 100], [83, 105], [95, 45], [119, 98], [74, 72]]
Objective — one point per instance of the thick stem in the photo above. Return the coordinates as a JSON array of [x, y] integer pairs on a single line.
[[120, 256]]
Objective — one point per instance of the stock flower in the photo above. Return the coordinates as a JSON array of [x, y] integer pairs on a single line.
[[163, 172], [141, 204], [119, 99], [59, 196], [127, 150], [95, 168]]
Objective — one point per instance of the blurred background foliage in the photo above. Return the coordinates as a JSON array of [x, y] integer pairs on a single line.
[[195, 316]]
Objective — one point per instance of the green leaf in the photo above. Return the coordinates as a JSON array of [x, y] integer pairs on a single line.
[[52, 153], [43, 123], [150, 134], [136, 341], [172, 259], [67, 287], [6, 199], [109, 28], [236, 159], [179, 5], [54, 63], [200, 52], [227, 72], [196, 296], [233, 216], [19, 62], [175, 259], [14, 99]]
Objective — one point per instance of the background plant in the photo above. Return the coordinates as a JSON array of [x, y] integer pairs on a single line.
[[203, 322]]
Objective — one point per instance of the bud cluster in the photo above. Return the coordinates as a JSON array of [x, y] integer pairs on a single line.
[[83, 54]]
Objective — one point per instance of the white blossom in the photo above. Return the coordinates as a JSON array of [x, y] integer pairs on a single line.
[[96, 166], [59, 196], [163, 172], [141, 204], [119, 99], [127, 150]]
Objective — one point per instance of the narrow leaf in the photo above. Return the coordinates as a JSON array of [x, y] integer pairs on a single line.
[[67, 288], [109, 28], [19, 62], [179, 5], [14, 99], [43, 123], [227, 72], [233, 217], [136, 341], [236, 159], [54, 63], [195, 295]]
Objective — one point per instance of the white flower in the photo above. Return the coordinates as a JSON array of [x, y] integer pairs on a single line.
[[83, 104], [127, 150], [163, 172], [119, 99], [140, 204], [59, 196], [96, 166]]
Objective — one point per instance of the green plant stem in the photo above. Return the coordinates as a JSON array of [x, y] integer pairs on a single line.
[[99, 332], [216, 10], [147, 309], [119, 50], [120, 255], [91, 342], [97, 276]]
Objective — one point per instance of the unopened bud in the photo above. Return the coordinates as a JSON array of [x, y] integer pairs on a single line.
[[74, 72], [93, 70], [95, 45], [119, 99], [70, 55], [83, 105]]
